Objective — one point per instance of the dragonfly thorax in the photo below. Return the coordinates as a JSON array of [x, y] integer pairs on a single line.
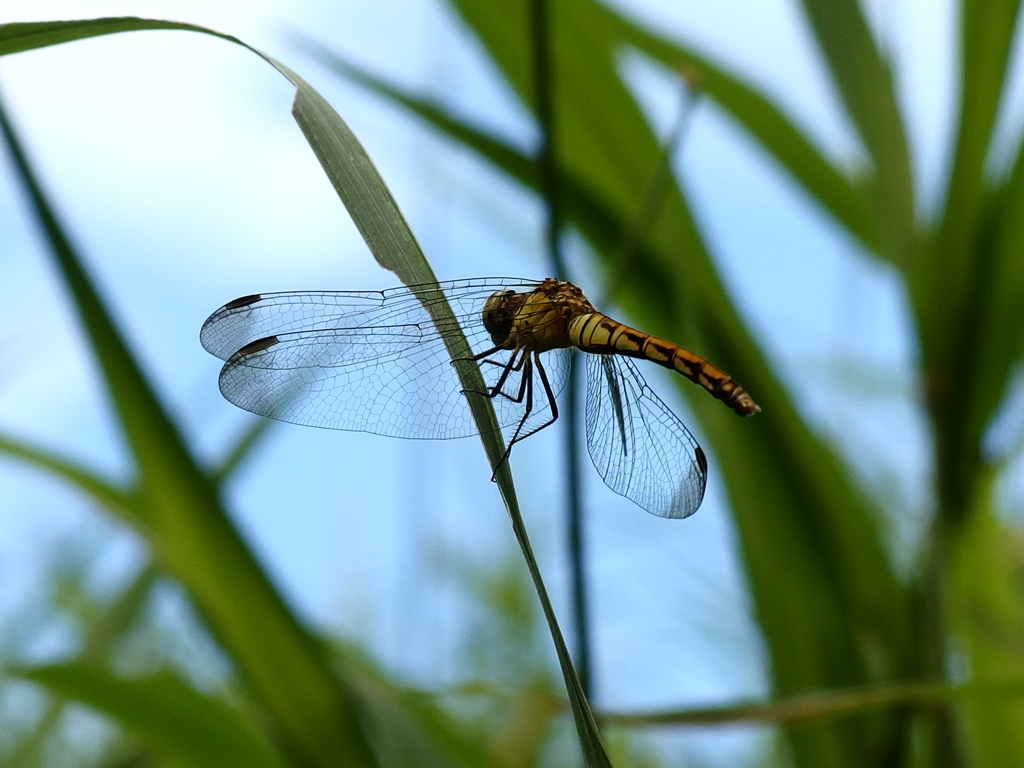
[[534, 320]]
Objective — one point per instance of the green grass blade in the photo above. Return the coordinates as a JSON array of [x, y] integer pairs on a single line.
[[985, 610], [242, 448], [986, 36], [103, 493], [182, 514], [506, 157], [110, 626], [28, 36], [978, 359], [763, 120], [793, 500], [163, 711], [1001, 326], [967, 290], [865, 84], [393, 245], [389, 238], [792, 497], [850, 702]]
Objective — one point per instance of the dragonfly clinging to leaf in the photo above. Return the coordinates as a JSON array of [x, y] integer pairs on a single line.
[[376, 361]]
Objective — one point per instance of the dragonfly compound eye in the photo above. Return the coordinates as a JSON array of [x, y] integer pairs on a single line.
[[499, 313]]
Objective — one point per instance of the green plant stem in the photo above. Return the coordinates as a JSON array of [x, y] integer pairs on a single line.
[[821, 705], [627, 251], [547, 167]]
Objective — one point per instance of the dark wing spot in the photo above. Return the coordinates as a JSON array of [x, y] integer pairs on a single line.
[[702, 460], [257, 346], [243, 301]]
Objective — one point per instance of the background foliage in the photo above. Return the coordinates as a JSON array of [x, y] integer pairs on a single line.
[[869, 664]]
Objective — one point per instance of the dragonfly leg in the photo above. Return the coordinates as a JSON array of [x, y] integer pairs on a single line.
[[511, 366], [527, 385], [525, 390], [549, 393], [478, 355], [499, 388]]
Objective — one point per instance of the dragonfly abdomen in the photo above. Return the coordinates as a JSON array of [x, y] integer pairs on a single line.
[[599, 334]]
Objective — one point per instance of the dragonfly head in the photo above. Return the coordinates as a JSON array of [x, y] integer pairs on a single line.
[[499, 314]]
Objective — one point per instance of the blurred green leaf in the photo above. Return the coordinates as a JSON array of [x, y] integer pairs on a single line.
[[945, 283], [834, 704], [160, 452], [180, 510], [101, 491], [108, 628], [411, 730], [755, 112], [986, 38], [986, 613], [1000, 326], [864, 82], [392, 243], [166, 713], [242, 449], [970, 362], [791, 496], [966, 289]]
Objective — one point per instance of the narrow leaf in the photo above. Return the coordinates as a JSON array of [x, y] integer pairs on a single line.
[[967, 291], [764, 121], [791, 496], [985, 615], [163, 711], [986, 36], [244, 444], [386, 232], [110, 626], [180, 508], [102, 492], [828, 704], [865, 84], [391, 241]]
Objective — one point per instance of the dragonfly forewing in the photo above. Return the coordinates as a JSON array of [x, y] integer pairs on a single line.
[[371, 361]]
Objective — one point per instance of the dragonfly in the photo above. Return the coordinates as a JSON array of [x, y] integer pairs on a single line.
[[379, 362]]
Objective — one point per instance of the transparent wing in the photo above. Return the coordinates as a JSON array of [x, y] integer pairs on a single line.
[[370, 361], [640, 447]]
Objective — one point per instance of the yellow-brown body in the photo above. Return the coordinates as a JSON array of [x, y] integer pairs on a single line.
[[557, 315]]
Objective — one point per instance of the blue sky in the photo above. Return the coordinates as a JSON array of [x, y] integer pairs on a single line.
[[181, 173]]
